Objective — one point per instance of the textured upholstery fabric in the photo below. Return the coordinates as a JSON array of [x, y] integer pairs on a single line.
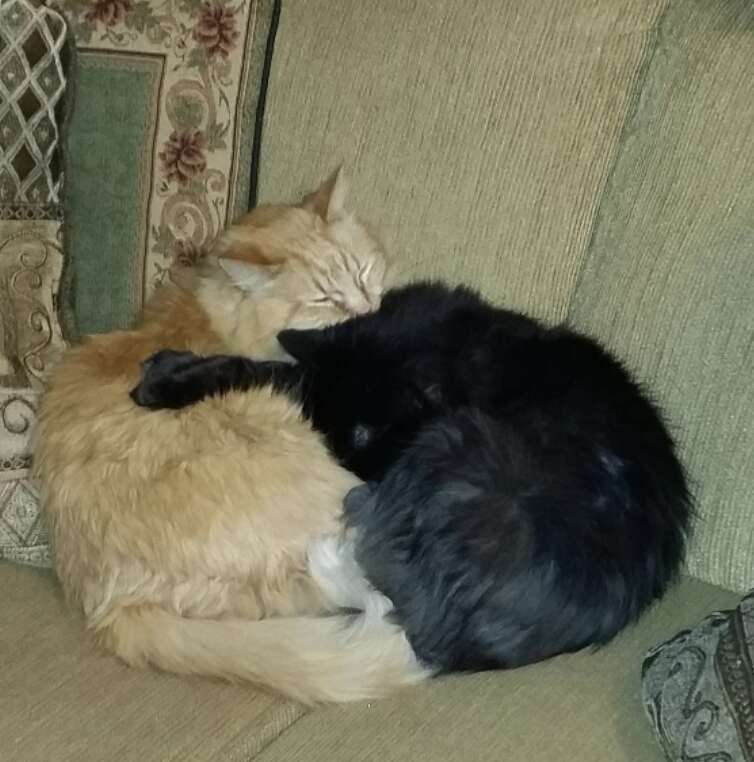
[[160, 141], [479, 135], [584, 707], [670, 278], [34, 72], [61, 700]]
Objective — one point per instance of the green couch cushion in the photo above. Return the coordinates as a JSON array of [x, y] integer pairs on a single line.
[[479, 135], [583, 707], [62, 700], [670, 278], [161, 140]]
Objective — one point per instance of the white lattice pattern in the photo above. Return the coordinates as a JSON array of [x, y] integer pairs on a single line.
[[32, 82]]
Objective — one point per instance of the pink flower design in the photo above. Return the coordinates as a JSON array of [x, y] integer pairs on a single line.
[[183, 156], [109, 12], [216, 30]]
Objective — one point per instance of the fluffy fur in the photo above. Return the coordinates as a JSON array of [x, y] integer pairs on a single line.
[[525, 497], [174, 531]]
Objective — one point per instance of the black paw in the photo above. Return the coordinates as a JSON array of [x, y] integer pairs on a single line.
[[166, 381], [167, 360]]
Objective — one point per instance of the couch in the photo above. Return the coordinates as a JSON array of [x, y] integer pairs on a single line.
[[589, 162]]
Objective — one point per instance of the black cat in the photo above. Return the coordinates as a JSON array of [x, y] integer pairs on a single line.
[[524, 495]]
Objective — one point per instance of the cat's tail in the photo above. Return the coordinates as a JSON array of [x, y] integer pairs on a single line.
[[309, 659]]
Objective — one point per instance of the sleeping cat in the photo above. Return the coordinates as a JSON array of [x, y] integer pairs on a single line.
[[207, 515], [524, 495]]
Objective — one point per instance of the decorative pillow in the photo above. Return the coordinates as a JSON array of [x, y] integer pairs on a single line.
[[33, 77], [698, 689], [161, 140]]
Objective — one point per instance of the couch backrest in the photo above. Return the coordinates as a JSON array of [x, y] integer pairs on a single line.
[[585, 160], [669, 279]]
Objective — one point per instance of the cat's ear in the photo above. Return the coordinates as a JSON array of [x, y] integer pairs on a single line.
[[329, 200], [302, 345], [248, 276]]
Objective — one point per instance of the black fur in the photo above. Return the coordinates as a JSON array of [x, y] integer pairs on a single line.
[[525, 498], [173, 379]]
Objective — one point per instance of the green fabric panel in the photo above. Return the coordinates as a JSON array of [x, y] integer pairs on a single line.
[[478, 135], [108, 185], [583, 707], [669, 282]]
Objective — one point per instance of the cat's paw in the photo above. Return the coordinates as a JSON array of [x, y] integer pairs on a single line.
[[166, 381], [166, 361]]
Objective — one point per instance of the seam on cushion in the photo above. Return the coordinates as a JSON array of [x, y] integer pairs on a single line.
[[302, 711], [256, 143], [632, 109]]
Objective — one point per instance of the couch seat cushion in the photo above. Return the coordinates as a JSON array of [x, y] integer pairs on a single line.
[[60, 699], [585, 707]]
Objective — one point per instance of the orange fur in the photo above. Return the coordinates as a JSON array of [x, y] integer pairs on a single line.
[[162, 518]]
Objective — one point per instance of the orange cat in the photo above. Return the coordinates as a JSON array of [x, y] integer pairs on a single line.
[[161, 519]]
